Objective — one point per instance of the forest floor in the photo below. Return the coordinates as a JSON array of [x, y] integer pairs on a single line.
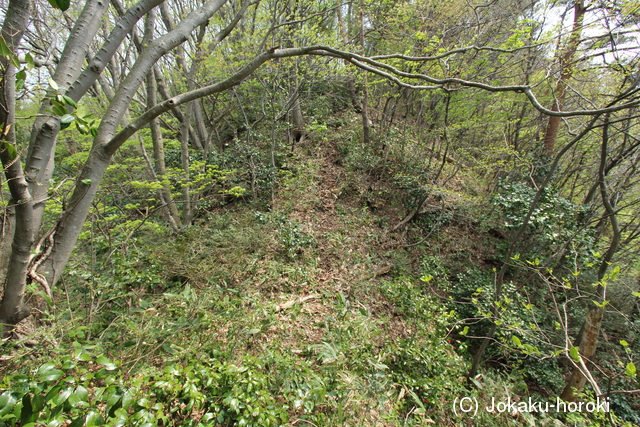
[[310, 312]]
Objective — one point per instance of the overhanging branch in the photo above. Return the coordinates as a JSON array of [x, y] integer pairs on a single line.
[[377, 67]]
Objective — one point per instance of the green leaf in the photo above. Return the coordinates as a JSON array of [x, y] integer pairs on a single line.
[[62, 397], [630, 370], [65, 121], [114, 407], [37, 403], [516, 341], [465, 331], [624, 343], [29, 61], [21, 75], [602, 304], [4, 49], [53, 84], [63, 5], [26, 413], [59, 110], [78, 422], [86, 181], [50, 375], [94, 419], [7, 402], [574, 353], [82, 393], [69, 101], [67, 118], [11, 150]]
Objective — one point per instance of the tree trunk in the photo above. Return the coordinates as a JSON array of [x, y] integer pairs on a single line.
[[12, 308], [72, 219], [593, 321], [566, 71], [40, 158], [514, 239], [171, 210], [366, 123], [169, 207], [297, 119]]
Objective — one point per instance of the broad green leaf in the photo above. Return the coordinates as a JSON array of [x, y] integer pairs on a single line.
[[69, 101], [65, 121], [82, 393], [27, 410], [67, 118], [51, 375], [86, 181], [7, 402], [94, 419], [63, 396], [624, 343], [29, 60], [575, 355], [630, 370], [21, 75], [59, 110], [37, 403], [53, 84], [78, 422], [63, 5], [516, 341], [4, 49], [11, 150]]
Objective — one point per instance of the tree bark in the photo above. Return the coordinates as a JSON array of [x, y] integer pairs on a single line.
[[171, 210], [40, 158], [366, 123], [12, 308], [566, 71], [72, 219], [593, 321]]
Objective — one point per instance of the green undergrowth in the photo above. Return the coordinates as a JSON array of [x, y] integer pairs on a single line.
[[214, 356], [302, 312]]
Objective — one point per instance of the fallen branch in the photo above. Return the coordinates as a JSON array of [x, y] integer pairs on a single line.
[[291, 303]]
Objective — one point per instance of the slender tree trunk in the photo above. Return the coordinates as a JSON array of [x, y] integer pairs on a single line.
[[593, 321], [566, 71], [351, 82], [7, 228], [187, 210], [297, 119], [171, 210], [366, 123], [12, 308], [514, 240], [169, 207]]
